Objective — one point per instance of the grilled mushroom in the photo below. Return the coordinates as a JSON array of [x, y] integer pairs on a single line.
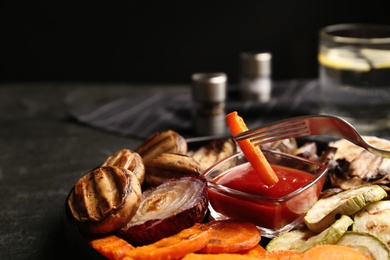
[[105, 199], [170, 165], [129, 160], [163, 142]]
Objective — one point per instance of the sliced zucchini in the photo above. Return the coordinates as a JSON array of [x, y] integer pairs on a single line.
[[291, 240], [330, 235], [302, 240], [325, 211], [366, 243], [374, 219]]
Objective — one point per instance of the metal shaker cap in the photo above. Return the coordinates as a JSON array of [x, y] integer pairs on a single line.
[[256, 64], [209, 87]]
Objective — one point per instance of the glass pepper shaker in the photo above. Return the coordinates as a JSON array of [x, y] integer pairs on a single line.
[[209, 96], [255, 79]]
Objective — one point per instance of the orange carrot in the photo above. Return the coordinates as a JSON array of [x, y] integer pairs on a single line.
[[230, 236], [333, 251], [257, 251], [111, 247], [224, 256], [285, 255], [252, 153], [187, 241]]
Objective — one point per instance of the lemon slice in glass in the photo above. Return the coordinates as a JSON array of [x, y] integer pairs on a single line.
[[363, 60], [379, 58]]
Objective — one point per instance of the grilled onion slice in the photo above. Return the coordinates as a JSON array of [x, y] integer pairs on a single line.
[[167, 209]]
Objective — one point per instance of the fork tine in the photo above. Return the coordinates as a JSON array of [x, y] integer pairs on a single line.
[[279, 131], [282, 127], [280, 136], [285, 131]]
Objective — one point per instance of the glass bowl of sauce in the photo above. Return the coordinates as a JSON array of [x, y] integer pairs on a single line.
[[236, 191]]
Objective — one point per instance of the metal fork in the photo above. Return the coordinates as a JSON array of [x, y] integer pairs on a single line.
[[310, 126]]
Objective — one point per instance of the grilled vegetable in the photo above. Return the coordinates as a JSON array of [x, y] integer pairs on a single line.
[[223, 256], [111, 247], [231, 236], [291, 240], [105, 199], [307, 150], [284, 146], [365, 166], [163, 142], [283, 254], [330, 235], [332, 251], [302, 240], [168, 166], [325, 211], [374, 219], [366, 243], [167, 209], [130, 160], [358, 166], [213, 152], [176, 246], [349, 151], [256, 251]]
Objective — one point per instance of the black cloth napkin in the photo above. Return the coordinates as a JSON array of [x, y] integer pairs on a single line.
[[141, 116]]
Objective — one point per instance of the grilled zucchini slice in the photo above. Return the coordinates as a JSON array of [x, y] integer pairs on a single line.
[[325, 211], [374, 219], [366, 243], [302, 240]]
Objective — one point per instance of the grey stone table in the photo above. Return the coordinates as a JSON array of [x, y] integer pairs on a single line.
[[42, 154]]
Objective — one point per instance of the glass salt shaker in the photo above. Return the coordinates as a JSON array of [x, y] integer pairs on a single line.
[[209, 95], [255, 79]]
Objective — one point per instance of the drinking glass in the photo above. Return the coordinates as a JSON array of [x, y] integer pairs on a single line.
[[354, 74]]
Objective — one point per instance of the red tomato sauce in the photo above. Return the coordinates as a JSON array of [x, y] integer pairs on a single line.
[[244, 178], [272, 214]]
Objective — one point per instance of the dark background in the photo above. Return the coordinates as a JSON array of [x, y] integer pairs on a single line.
[[165, 41], [43, 153]]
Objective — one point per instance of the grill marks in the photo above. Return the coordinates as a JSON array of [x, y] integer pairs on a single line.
[[97, 194], [129, 160], [110, 189], [213, 152], [163, 142], [170, 165]]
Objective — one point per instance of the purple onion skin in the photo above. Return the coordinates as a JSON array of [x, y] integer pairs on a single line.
[[157, 229]]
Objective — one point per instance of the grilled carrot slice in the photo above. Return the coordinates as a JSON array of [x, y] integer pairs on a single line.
[[257, 251], [111, 247], [252, 153], [186, 241], [285, 254], [230, 236], [225, 256], [332, 251]]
